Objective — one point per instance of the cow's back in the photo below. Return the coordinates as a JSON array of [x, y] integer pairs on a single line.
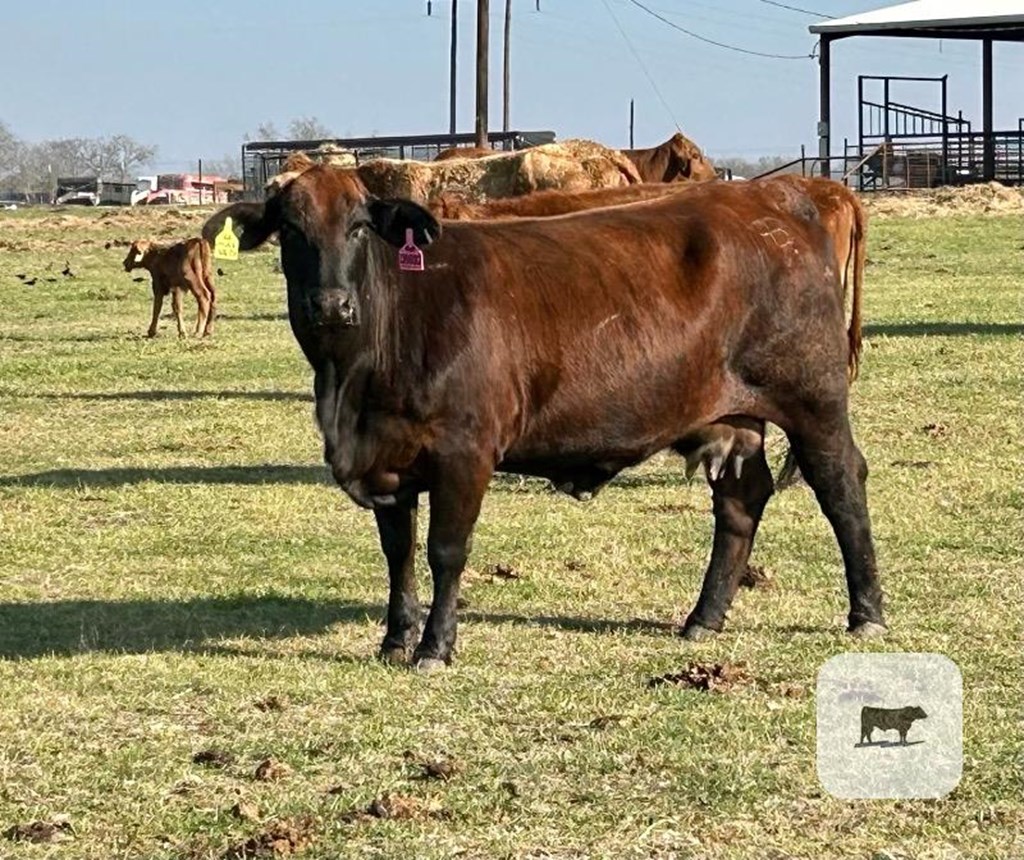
[[623, 294]]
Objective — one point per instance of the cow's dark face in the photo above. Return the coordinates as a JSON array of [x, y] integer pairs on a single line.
[[326, 221], [918, 713]]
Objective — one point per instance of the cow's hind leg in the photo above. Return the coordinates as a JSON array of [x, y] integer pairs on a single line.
[[212, 291], [202, 297], [837, 472], [454, 506], [738, 502], [397, 528], [176, 306]]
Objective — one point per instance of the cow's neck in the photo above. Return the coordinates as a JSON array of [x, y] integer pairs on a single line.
[[356, 366]]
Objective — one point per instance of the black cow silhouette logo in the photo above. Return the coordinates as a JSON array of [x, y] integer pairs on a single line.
[[888, 719]]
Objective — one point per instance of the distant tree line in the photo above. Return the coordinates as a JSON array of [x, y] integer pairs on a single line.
[[300, 128], [32, 168], [28, 167], [749, 169]]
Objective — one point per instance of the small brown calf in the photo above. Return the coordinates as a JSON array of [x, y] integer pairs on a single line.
[[181, 266]]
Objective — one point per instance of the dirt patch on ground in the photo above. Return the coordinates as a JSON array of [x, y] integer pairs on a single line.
[[213, 758], [272, 703], [72, 232], [988, 198], [279, 839], [271, 770], [440, 767], [40, 831], [755, 576], [707, 677], [398, 807]]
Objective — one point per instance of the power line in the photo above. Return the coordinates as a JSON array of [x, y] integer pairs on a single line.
[[798, 9], [643, 67], [675, 26]]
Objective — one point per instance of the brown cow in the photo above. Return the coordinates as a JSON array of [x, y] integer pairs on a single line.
[[675, 160], [173, 268], [568, 348], [466, 152]]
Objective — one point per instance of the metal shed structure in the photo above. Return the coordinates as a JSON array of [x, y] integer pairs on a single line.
[[986, 21]]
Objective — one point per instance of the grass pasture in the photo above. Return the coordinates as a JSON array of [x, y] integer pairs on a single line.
[[178, 575]]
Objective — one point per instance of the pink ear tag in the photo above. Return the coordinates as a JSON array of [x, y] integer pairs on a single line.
[[410, 258]]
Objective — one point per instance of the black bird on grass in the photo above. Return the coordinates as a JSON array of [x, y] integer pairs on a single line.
[[21, 276], [220, 272], [67, 273], [51, 280], [31, 283]]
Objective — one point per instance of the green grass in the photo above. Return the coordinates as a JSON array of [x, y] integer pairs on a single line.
[[168, 561]]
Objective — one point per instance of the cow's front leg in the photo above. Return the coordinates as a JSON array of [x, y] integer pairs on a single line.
[[454, 506], [397, 528], [738, 504], [158, 302]]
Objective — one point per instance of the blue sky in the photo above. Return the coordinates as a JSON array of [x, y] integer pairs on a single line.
[[193, 77]]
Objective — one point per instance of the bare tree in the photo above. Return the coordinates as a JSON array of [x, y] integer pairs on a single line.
[[749, 169], [308, 128], [229, 167], [128, 154], [9, 146], [264, 131]]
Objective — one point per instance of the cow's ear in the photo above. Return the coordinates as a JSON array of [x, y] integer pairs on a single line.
[[257, 222], [389, 219]]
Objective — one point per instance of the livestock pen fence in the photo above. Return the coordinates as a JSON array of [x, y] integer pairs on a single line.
[[905, 146], [262, 160]]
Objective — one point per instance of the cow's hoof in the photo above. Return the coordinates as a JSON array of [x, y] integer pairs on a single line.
[[698, 633], [868, 630], [430, 665], [393, 655]]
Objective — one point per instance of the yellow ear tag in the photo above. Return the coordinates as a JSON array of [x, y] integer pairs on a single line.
[[225, 246]]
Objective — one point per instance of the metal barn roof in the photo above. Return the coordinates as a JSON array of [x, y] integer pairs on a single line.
[[944, 19]]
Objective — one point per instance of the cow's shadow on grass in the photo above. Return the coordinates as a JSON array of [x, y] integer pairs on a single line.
[[940, 329], [269, 473], [884, 744], [66, 628], [175, 395], [272, 473]]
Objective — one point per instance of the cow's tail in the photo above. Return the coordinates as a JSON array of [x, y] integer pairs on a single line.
[[859, 246]]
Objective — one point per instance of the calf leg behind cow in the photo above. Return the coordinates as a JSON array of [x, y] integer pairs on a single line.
[[397, 528], [837, 472], [738, 504]]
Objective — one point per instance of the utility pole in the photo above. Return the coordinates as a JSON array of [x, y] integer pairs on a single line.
[[631, 123], [452, 63], [482, 21], [506, 75]]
